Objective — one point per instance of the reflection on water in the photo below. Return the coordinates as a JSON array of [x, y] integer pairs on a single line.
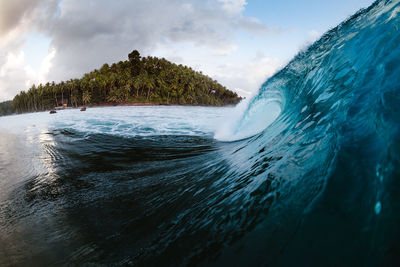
[[149, 186]]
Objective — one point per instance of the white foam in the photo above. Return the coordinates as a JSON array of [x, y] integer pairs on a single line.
[[245, 121], [122, 121]]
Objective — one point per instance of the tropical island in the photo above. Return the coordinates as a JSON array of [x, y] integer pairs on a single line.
[[136, 81]]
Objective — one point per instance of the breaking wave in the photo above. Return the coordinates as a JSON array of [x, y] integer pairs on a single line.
[[310, 175]]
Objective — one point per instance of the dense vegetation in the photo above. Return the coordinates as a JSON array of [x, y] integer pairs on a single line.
[[137, 80], [6, 108]]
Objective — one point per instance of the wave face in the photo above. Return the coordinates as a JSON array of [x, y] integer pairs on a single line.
[[317, 186]]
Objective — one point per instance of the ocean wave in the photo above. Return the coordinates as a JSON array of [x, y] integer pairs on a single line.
[[310, 175]]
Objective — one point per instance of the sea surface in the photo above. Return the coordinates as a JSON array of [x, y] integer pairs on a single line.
[[305, 173]]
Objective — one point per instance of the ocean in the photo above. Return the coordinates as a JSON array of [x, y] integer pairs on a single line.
[[305, 173]]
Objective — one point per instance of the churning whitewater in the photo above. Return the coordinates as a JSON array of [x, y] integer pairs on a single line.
[[306, 173]]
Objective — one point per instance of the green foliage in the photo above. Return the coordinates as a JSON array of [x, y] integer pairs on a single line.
[[6, 108], [137, 80], [86, 97]]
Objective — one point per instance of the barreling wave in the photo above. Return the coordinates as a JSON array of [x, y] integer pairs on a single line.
[[311, 177], [337, 140]]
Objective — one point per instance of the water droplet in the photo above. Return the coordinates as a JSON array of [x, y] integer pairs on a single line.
[[379, 173], [377, 169], [378, 207]]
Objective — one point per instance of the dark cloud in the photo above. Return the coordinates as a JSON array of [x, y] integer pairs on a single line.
[[12, 12]]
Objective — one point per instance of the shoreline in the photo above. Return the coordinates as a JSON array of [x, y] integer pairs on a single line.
[[149, 104]]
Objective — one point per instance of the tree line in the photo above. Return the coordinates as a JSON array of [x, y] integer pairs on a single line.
[[137, 80], [6, 108]]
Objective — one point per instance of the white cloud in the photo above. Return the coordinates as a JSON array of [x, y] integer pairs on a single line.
[[86, 34], [40, 76], [225, 51], [17, 19], [17, 75], [85, 37], [247, 78], [12, 75], [233, 6]]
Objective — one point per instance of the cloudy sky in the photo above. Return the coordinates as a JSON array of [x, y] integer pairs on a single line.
[[238, 42]]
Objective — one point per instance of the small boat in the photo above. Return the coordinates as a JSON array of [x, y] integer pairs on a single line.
[[83, 109], [53, 111]]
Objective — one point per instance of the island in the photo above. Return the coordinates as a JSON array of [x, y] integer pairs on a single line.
[[136, 81]]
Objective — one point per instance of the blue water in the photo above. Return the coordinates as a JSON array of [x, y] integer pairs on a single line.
[[306, 173]]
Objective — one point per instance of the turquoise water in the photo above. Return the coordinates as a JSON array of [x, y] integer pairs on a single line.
[[306, 173]]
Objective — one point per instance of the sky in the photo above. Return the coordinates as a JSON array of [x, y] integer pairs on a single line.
[[240, 43]]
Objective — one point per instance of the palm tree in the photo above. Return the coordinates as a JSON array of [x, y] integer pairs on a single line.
[[86, 97], [149, 83], [137, 84], [40, 90]]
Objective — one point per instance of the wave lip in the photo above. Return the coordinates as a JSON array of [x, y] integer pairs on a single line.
[[251, 116], [244, 122]]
